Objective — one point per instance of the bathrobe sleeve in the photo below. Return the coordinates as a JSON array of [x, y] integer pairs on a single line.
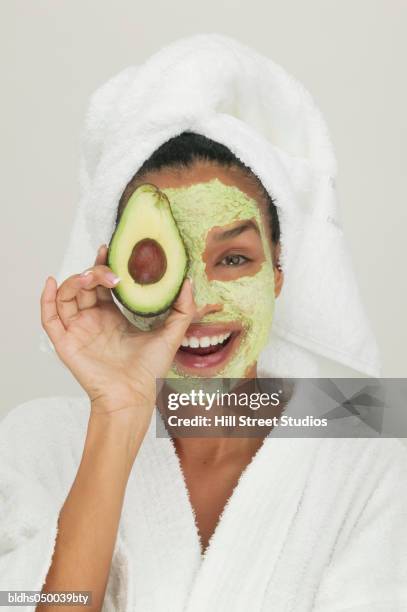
[[39, 455], [368, 569]]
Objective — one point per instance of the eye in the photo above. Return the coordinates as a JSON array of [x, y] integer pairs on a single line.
[[234, 260]]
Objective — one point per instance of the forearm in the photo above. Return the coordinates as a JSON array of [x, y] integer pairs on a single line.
[[89, 519]]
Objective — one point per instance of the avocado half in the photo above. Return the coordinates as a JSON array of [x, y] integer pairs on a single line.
[[147, 252]]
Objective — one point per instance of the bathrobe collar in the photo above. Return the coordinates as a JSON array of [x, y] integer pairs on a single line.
[[164, 540]]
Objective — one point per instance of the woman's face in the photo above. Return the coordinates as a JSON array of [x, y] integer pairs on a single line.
[[223, 222]]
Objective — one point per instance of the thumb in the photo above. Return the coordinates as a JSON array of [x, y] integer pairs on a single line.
[[183, 311]]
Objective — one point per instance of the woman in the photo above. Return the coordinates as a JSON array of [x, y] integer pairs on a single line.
[[192, 524]]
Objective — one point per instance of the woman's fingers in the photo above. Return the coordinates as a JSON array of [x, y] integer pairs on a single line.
[[183, 311], [66, 300], [88, 297], [49, 314], [103, 294]]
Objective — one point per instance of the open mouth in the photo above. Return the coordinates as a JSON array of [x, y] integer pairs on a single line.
[[206, 345], [203, 352]]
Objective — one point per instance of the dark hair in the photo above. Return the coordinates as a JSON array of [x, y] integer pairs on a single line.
[[183, 151]]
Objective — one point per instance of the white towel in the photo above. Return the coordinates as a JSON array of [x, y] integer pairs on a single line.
[[213, 85]]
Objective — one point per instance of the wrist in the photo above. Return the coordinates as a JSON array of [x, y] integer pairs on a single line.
[[124, 398], [118, 432], [122, 410]]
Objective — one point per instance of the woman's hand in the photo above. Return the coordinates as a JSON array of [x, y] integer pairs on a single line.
[[115, 363]]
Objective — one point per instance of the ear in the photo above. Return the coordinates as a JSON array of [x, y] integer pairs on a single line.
[[278, 272]]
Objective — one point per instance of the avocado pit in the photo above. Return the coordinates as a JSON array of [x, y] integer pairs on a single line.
[[147, 252], [147, 263]]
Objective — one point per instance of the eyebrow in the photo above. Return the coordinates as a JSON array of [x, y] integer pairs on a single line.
[[236, 231]]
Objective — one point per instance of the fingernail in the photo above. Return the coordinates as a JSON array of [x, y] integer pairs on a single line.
[[86, 272], [112, 278]]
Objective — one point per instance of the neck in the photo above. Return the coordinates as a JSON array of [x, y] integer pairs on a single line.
[[215, 450]]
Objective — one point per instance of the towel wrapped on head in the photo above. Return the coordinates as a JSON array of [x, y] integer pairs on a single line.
[[215, 86]]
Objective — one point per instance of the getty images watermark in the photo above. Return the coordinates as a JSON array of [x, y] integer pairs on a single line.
[[54, 598], [282, 407]]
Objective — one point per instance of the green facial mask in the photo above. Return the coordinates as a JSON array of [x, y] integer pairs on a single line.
[[249, 299]]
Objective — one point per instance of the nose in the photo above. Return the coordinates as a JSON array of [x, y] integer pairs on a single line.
[[205, 310], [206, 295]]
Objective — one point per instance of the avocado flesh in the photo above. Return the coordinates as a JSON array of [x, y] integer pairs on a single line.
[[147, 217]]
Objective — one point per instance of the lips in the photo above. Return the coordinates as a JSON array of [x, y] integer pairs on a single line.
[[206, 349]]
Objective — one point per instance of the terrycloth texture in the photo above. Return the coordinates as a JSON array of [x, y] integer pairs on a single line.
[[313, 525], [213, 85]]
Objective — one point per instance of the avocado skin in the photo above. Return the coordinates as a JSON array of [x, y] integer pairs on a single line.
[[155, 313], [148, 315], [166, 305]]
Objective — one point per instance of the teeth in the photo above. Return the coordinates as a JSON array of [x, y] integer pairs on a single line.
[[205, 341]]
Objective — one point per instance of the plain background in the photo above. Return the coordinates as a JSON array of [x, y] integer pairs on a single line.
[[349, 53]]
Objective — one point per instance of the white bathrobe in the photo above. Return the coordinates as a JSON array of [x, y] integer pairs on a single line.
[[313, 524]]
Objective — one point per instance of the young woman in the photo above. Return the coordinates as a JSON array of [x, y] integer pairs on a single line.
[[95, 502], [118, 366]]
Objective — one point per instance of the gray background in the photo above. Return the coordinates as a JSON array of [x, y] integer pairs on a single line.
[[349, 53]]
